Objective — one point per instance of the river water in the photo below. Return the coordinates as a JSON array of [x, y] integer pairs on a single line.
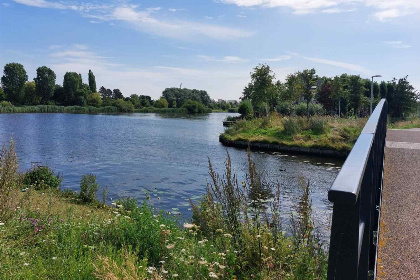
[[165, 158]]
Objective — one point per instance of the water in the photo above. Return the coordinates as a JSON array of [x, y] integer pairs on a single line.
[[137, 155]]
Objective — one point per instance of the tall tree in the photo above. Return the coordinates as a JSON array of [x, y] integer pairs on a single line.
[[325, 95], [307, 79], [71, 84], [262, 88], [31, 98], [383, 89], [13, 81], [92, 81], [356, 89], [45, 83], [117, 94], [404, 99]]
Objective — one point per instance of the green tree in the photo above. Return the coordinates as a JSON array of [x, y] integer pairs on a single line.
[[355, 90], [94, 99], [45, 83], [92, 81], [13, 81], [325, 95], [245, 109], [404, 99], [383, 89], [2, 95], [262, 87], [72, 83], [307, 79], [194, 107], [161, 103], [117, 94], [31, 98]]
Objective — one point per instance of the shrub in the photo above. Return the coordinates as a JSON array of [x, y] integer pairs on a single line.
[[42, 177], [314, 109], [233, 110], [284, 109], [291, 126], [94, 99], [124, 106], [5, 104], [194, 107], [161, 103], [245, 109], [129, 204], [318, 126], [88, 188]]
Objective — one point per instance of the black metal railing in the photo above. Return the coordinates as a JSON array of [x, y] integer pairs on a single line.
[[356, 194]]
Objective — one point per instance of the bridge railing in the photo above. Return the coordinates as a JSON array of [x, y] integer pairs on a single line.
[[356, 194]]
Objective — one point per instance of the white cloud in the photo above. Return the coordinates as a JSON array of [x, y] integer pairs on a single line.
[[146, 21], [241, 16], [397, 44], [386, 9], [278, 58], [225, 59], [349, 66]]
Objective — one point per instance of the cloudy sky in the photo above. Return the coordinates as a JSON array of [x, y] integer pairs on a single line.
[[145, 46]]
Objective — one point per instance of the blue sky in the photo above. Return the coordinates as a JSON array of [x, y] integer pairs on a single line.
[[143, 47]]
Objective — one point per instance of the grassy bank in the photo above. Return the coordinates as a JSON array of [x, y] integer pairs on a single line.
[[319, 132], [89, 110], [49, 234], [404, 124]]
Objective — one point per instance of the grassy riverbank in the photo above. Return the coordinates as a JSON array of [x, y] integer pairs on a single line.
[[46, 233], [319, 132], [405, 124]]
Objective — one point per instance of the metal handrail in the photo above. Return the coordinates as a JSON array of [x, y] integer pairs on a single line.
[[356, 194]]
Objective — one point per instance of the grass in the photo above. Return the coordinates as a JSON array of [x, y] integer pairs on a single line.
[[51, 234], [319, 132], [404, 124]]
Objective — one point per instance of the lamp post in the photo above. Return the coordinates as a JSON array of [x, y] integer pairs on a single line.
[[371, 92]]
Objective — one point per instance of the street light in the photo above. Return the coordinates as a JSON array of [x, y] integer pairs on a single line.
[[371, 92]]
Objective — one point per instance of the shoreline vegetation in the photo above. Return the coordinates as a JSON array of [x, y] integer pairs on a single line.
[[50, 233], [335, 136]]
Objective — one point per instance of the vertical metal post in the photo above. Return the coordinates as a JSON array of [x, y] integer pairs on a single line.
[[371, 96]]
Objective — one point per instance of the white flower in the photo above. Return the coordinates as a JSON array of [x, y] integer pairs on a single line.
[[175, 275], [1, 224], [213, 275], [26, 264], [54, 258]]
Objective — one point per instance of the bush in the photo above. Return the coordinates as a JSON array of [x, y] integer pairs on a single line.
[[161, 103], [124, 106], [129, 204], [284, 109], [245, 109], [314, 109], [318, 126], [42, 177], [291, 126], [194, 107], [88, 188], [233, 110], [5, 104]]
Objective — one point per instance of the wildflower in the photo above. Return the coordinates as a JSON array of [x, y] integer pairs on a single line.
[[219, 230], [162, 226], [175, 275], [26, 264], [22, 253], [189, 226], [54, 258], [170, 246], [222, 266], [180, 238], [213, 275], [227, 235], [151, 269], [164, 271], [259, 236], [273, 249], [183, 251], [1, 224]]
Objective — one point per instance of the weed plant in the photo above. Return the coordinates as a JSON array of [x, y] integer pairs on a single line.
[[41, 177]]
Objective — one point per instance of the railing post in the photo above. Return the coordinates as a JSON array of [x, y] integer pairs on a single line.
[[343, 256]]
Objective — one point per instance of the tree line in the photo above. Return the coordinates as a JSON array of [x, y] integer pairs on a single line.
[[17, 90], [343, 95]]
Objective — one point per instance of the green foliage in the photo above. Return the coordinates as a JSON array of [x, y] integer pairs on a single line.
[[291, 126], [13, 82], [72, 83], [402, 98], [88, 188], [124, 106], [94, 99], [161, 103], [31, 98], [245, 109], [318, 125], [314, 109], [92, 81], [262, 89], [128, 203], [284, 109], [2, 95], [45, 83], [176, 97], [41, 177], [194, 107], [5, 104]]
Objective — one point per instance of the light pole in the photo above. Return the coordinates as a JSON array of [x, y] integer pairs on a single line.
[[371, 92]]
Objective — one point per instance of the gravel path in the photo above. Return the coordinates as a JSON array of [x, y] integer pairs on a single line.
[[399, 240]]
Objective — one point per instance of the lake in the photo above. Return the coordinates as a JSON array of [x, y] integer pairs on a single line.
[[166, 158]]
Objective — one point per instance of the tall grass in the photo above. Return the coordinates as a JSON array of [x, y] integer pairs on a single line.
[[234, 234]]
